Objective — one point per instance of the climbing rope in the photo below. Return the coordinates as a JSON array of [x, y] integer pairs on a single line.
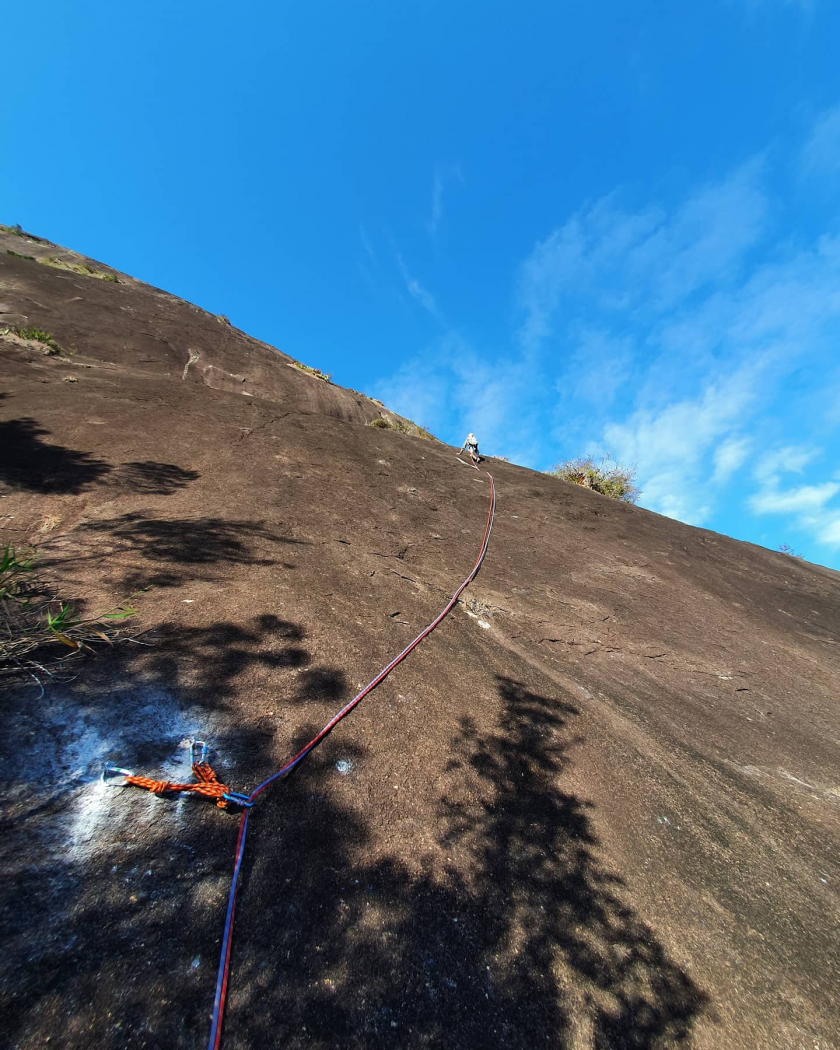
[[224, 963], [208, 783]]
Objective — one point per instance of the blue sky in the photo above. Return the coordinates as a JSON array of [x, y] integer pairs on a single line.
[[568, 227]]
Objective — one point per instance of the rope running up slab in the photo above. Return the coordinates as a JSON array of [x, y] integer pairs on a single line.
[[248, 801]]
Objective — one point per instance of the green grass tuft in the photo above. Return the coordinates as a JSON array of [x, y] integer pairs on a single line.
[[38, 335], [386, 424], [402, 428], [39, 632], [81, 268], [316, 372]]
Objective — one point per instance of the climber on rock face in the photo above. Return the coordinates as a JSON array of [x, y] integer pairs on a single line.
[[471, 446]]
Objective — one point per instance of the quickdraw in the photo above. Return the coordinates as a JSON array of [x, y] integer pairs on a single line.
[[208, 783]]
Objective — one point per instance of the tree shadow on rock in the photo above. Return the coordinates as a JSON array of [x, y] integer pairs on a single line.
[[33, 465], [549, 911], [208, 660], [522, 938], [321, 683], [188, 541], [167, 552], [154, 479]]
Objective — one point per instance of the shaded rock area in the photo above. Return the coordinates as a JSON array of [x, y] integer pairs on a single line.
[[598, 808]]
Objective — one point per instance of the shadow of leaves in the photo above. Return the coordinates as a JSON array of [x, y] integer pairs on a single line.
[[151, 478], [522, 938], [142, 550], [33, 465]]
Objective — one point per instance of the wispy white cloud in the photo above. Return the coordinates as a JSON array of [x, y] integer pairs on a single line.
[[708, 335], [792, 459], [451, 388], [740, 345], [599, 366], [705, 241], [827, 530], [417, 292], [821, 152], [421, 388], [366, 244], [802, 500], [437, 205], [671, 446], [806, 506], [654, 257], [729, 456], [444, 174]]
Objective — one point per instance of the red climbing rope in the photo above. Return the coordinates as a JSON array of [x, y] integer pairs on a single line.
[[224, 962], [209, 785]]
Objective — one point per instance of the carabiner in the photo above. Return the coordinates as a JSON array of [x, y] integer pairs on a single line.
[[194, 746], [109, 770], [238, 798]]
